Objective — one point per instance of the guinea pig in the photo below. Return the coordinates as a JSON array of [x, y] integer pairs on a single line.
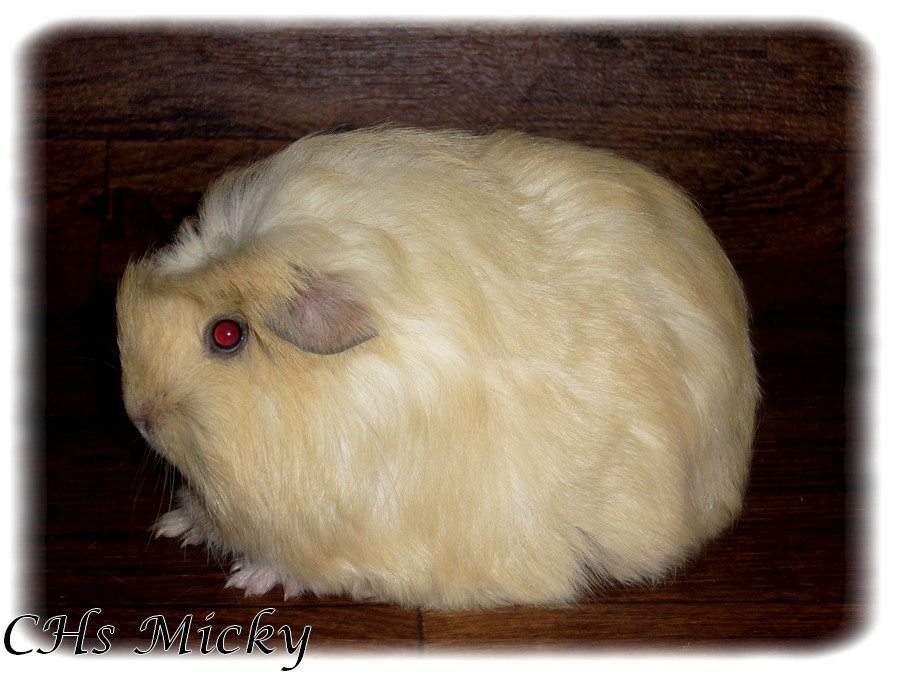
[[443, 370]]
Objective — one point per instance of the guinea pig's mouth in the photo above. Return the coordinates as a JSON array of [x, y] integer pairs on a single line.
[[167, 434], [144, 431], [147, 423], [145, 428], [153, 419]]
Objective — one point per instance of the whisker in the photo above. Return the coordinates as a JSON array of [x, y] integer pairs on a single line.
[[140, 477]]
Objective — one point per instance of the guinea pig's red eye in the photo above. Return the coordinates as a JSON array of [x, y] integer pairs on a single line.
[[226, 335]]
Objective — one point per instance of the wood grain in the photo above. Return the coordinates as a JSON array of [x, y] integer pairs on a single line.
[[661, 625], [759, 125], [625, 86]]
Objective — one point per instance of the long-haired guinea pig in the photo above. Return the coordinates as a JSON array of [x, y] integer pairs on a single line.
[[443, 370]]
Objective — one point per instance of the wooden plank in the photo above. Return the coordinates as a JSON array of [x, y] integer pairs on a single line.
[[66, 191], [618, 87], [635, 625]]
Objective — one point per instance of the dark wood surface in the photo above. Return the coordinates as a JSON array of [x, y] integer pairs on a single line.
[[761, 126]]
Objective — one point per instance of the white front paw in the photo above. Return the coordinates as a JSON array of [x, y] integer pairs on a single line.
[[189, 522], [172, 524], [256, 578], [177, 523]]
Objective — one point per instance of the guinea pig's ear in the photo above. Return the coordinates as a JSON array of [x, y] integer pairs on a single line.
[[324, 316]]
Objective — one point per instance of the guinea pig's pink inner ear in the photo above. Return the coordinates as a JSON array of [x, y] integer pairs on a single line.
[[325, 317]]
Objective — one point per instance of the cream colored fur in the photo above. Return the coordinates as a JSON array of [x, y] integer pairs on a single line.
[[561, 392]]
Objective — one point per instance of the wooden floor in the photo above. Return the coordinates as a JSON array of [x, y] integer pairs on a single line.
[[761, 127]]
